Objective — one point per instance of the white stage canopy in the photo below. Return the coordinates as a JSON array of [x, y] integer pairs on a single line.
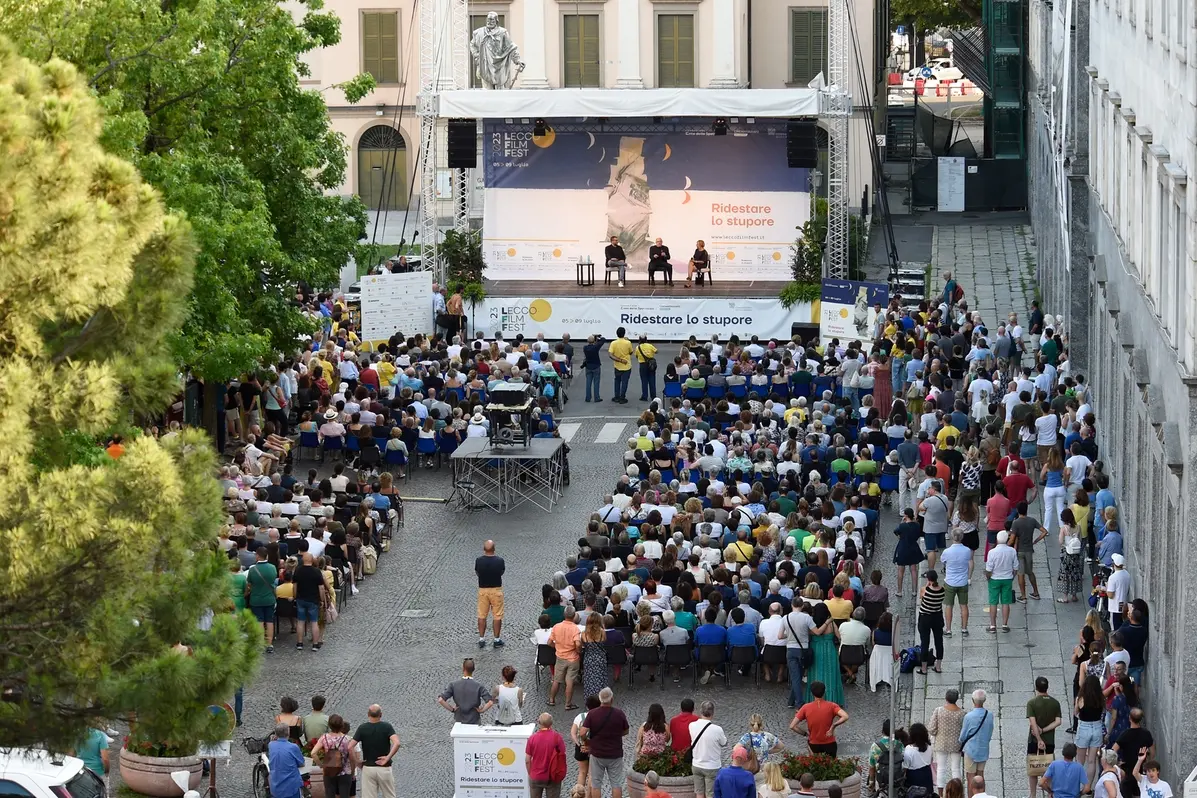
[[627, 103]]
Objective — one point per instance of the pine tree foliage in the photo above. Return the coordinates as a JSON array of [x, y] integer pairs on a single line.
[[105, 565]]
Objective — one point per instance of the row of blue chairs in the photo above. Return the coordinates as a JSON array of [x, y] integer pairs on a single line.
[[791, 390]]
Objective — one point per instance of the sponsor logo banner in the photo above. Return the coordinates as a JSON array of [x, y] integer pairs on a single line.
[[848, 309]]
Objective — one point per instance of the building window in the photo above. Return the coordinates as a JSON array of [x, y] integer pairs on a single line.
[[675, 51], [1180, 263], [808, 44], [479, 21], [380, 45], [581, 51], [382, 169]]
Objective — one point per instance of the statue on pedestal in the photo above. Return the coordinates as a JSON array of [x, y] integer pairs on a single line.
[[496, 58]]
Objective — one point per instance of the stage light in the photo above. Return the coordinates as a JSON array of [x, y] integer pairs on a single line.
[[720, 126], [539, 128]]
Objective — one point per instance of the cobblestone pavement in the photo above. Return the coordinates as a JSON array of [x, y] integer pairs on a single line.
[[402, 639], [995, 265]]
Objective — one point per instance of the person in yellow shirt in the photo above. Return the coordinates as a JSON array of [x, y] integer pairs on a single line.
[[620, 352], [945, 432], [646, 356], [797, 408], [386, 373]]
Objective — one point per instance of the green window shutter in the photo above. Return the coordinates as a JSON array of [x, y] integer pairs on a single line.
[[808, 36], [380, 45], [581, 51], [675, 50]]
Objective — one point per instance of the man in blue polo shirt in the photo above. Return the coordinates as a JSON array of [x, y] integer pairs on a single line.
[[740, 634], [1065, 778], [709, 634]]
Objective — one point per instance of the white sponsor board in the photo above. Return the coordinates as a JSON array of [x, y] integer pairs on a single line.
[[660, 318], [396, 303], [748, 234], [488, 761], [950, 185]]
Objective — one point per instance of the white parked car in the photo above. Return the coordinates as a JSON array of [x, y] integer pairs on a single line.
[[35, 773], [936, 69]]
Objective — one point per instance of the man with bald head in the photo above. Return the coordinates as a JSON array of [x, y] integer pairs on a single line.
[[545, 745], [489, 569], [380, 743]]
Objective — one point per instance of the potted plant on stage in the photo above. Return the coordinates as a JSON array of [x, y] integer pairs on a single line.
[[826, 769], [672, 766]]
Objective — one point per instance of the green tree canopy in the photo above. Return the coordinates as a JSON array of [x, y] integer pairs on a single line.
[[203, 96], [105, 564]]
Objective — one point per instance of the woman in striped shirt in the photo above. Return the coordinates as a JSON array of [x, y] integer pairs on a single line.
[[931, 620]]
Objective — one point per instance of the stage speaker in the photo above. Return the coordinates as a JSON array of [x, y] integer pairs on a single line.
[[802, 145], [463, 144]]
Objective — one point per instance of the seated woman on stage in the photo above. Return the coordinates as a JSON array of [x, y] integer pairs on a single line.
[[700, 261]]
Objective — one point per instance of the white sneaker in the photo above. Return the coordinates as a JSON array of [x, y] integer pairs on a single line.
[[355, 590], [621, 283]]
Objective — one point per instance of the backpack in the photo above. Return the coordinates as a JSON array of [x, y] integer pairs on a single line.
[[890, 760], [548, 391], [993, 457], [958, 294], [909, 659], [333, 760]]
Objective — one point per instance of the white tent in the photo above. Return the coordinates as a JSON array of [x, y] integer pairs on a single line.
[[627, 103]]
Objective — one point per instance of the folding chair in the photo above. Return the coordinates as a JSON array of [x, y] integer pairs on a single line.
[[308, 440], [671, 390], [743, 656], [774, 657], [336, 444], [738, 391], [679, 657], [712, 657], [546, 657], [873, 612], [644, 655], [617, 657], [694, 394], [856, 657], [716, 392]]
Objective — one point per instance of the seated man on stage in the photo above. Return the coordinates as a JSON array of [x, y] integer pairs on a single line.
[[613, 255], [700, 262], [658, 261]]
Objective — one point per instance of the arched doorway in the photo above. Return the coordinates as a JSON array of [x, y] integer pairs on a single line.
[[382, 169]]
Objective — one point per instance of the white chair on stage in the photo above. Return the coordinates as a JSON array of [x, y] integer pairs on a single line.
[[881, 667]]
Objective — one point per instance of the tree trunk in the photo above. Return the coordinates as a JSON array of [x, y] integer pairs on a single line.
[[920, 49]]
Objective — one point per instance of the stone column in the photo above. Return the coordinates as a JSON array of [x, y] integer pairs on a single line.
[[628, 76], [724, 61], [532, 47]]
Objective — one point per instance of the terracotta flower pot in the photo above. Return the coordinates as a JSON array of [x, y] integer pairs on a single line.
[[851, 786], [150, 775], [676, 786]]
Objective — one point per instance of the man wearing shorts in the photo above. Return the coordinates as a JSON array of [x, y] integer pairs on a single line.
[[1000, 565], [976, 732], [1024, 528], [259, 582], [566, 640], [603, 731], [934, 509], [489, 569], [958, 570], [707, 740]]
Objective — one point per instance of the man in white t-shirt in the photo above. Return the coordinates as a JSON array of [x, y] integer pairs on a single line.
[[707, 740], [1076, 468], [978, 386], [1118, 589], [1000, 565], [978, 787], [1047, 429]]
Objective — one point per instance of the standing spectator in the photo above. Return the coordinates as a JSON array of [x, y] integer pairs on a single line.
[[509, 698], [1065, 778], [1134, 640], [260, 581], [1107, 783], [679, 726], [1024, 528], [620, 353], [646, 356], [735, 781], [470, 699], [706, 740], [93, 750], [1147, 775], [543, 748], [286, 758], [907, 553], [316, 723], [975, 733], [917, 759], [1130, 746], [821, 717], [1044, 715], [311, 594], [489, 569], [339, 783], [944, 725], [380, 743], [592, 364], [958, 571], [999, 570], [566, 639], [1071, 568], [931, 621], [1118, 590], [604, 730]]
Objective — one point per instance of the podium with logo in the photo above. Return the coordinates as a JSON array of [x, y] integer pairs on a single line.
[[488, 761]]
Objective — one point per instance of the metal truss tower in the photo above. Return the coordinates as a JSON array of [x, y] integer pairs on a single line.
[[836, 110], [444, 64]]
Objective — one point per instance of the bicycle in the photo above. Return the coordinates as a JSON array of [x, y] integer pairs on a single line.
[[258, 746]]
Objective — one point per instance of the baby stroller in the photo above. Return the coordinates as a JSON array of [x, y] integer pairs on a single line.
[[548, 385]]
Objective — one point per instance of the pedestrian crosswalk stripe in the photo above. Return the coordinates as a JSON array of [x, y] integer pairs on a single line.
[[569, 430], [610, 433]]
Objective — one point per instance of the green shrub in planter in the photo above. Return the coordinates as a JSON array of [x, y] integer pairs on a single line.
[[822, 766], [667, 763]]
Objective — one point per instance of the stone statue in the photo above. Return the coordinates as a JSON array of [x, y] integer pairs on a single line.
[[496, 58]]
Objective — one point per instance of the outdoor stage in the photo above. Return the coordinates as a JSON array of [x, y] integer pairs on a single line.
[[502, 478]]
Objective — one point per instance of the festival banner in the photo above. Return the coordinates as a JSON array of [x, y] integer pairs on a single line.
[[552, 199], [660, 318], [848, 309]]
